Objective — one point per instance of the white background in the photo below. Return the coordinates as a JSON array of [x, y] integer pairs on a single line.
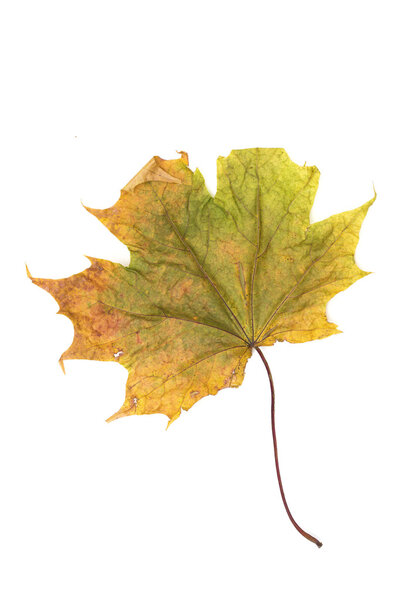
[[92, 90]]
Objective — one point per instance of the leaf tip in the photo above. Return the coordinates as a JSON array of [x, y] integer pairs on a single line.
[[368, 204], [184, 156], [91, 259], [28, 272], [172, 419], [371, 202], [113, 417], [93, 211]]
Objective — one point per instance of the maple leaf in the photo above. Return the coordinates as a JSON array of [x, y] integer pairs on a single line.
[[210, 278]]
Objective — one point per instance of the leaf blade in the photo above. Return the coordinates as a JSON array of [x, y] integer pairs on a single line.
[[209, 278]]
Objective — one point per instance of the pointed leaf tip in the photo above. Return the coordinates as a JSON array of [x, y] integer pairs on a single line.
[[172, 420], [184, 156]]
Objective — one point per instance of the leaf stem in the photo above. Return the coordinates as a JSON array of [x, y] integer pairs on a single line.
[[278, 473]]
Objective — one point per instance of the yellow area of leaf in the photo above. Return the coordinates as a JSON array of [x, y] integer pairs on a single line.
[[209, 277]]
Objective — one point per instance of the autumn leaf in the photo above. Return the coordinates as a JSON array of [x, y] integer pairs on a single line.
[[210, 278]]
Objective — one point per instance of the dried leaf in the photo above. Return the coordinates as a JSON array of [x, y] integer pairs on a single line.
[[209, 278]]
